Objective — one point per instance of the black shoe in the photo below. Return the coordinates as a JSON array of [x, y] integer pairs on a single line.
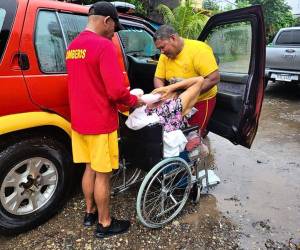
[[115, 227], [90, 219]]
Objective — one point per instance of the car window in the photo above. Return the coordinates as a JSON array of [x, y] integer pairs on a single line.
[[231, 44], [2, 16], [7, 15], [288, 37], [49, 43], [72, 25], [137, 42]]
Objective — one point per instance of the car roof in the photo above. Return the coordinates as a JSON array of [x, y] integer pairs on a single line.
[[290, 28], [84, 10]]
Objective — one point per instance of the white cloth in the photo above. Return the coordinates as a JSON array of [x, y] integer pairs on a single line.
[[139, 119], [174, 143]]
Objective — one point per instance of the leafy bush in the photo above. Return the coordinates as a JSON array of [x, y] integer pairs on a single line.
[[185, 19]]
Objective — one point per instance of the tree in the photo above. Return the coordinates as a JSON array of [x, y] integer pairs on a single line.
[[277, 14], [139, 5], [211, 5], [242, 3], [297, 21], [185, 19]]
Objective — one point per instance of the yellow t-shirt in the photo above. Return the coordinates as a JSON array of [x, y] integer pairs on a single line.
[[196, 58]]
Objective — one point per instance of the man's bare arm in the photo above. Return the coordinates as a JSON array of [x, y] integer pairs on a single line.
[[211, 80], [186, 84], [159, 82]]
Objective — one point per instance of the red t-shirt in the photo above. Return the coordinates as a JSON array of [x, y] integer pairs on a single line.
[[96, 84]]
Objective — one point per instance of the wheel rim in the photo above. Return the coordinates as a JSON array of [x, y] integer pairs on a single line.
[[28, 186], [166, 193]]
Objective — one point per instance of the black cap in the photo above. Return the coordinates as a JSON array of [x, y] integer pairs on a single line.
[[106, 9]]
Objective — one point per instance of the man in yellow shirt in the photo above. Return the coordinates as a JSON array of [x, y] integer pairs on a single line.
[[185, 58]]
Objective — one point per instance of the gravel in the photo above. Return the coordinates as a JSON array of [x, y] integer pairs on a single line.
[[199, 226]]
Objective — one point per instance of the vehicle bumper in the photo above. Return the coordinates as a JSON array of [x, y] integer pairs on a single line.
[[282, 75]]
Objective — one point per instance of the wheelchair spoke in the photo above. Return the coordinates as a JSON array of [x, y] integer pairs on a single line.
[[155, 207], [172, 181], [151, 199], [162, 205], [179, 185], [173, 199], [169, 209], [158, 180], [156, 203]]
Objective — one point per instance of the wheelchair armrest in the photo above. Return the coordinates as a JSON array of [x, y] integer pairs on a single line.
[[185, 131]]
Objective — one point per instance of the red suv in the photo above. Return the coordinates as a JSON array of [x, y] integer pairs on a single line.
[[36, 169]]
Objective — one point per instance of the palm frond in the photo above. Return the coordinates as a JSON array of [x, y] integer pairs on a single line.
[[167, 14], [188, 3], [183, 15], [194, 27], [185, 19]]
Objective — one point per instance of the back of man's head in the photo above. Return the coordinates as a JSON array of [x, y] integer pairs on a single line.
[[164, 32]]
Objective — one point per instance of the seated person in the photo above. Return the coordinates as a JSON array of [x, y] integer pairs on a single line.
[[177, 101]]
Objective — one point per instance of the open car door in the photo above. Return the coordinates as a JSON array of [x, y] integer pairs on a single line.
[[238, 40]]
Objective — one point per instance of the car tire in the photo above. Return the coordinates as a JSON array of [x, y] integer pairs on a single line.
[[34, 183]]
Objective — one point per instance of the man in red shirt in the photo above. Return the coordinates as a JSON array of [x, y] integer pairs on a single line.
[[96, 86]]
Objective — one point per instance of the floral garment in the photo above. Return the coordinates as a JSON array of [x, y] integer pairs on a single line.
[[170, 114]]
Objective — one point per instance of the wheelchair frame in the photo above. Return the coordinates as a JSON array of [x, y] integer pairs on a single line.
[[168, 182]]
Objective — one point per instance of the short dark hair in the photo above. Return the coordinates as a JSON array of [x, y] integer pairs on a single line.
[[164, 32]]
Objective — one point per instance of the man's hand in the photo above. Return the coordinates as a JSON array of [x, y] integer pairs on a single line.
[[140, 102], [164, 91]]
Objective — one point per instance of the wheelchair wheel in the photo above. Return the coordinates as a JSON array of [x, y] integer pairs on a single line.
[[163, 192], [123, 178]]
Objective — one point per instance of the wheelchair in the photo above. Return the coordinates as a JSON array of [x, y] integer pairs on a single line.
[[167, 183]]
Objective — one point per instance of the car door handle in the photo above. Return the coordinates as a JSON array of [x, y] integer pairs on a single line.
[[290, 50], [23, 61]]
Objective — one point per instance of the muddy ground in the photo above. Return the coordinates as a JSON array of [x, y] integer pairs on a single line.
[[260, 190], [256, 205]]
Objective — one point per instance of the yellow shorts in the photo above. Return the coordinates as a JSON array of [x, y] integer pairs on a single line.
[[101, 151]]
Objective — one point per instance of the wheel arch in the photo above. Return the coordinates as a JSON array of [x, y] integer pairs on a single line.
[[16, 127]]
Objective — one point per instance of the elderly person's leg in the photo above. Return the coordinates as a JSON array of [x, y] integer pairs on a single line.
[[190, 95], [192, 88], [102, 197]]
